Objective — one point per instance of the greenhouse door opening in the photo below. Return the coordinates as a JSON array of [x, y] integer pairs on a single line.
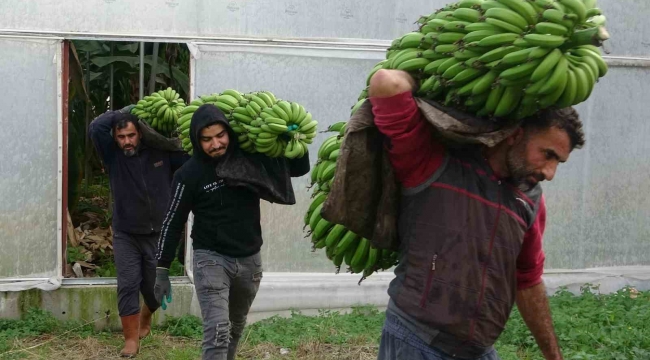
[[107, 76]]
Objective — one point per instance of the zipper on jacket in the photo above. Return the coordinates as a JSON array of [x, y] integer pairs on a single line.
[[146, 190], [479, 303], [423, 300]]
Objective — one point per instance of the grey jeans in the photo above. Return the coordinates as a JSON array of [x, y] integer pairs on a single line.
[[135, 262], [226, 288], [399, 343]]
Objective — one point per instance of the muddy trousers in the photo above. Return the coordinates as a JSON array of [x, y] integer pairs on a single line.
[[399, 343], [225, 288], [135, 263]]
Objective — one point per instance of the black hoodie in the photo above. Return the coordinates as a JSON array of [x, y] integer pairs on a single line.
[[224, 194]]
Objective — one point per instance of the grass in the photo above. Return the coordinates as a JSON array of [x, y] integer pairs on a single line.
[[590, 326]]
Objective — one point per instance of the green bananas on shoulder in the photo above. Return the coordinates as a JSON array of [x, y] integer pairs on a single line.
[[341, 245], [504, 59], [263, 123], [161, 110]]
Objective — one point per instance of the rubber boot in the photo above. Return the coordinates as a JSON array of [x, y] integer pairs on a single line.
[[145, 321], [130, 328]]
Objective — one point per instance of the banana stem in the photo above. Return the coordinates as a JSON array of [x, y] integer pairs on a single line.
[[594, 36]]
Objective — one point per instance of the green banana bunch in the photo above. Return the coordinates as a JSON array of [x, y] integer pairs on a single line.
[[272, 126], [161, 110], [340, 244], [263, 123], [504, 59]]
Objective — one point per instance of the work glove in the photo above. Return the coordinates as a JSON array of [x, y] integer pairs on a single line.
[[163, 288], [127, 109]]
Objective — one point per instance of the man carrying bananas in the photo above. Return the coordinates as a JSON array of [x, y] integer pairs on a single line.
[[222, 186], [140, 179], [471, 223]]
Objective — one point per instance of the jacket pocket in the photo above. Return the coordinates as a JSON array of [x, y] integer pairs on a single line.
[[427, 287]]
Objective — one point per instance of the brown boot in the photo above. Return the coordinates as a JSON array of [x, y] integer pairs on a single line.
[[145, 321], [130, 328]]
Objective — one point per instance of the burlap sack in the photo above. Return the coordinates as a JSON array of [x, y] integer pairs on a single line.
[[364, 196]]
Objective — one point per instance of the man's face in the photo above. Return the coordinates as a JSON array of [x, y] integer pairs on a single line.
[[214, 140], [128, 139], [536, 155]]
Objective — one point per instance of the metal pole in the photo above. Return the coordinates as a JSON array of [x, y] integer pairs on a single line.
[[141, 70], [87, 174], [154, 58], [111, 84], [111, 105]]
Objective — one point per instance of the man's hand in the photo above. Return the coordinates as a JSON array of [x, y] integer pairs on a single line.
[[127, 109], [386, 83], [163, 288], [533, 306]]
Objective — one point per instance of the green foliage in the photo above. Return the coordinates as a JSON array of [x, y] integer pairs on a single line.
[[106, 268], [362, 324], [590, 326], [176, 269], [75, 253], [34, 322], [187, 325]]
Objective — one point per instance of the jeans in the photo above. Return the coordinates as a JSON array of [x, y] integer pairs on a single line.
[[226, 288], [399, 343]]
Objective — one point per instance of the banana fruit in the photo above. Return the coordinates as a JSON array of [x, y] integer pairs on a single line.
[[476, 50], [341, 245], [161, 110], [263, 123]]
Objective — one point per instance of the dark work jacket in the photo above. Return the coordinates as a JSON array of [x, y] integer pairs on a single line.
[[140, 184]]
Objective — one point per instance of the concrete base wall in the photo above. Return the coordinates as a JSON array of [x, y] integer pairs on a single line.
[[279, 294]]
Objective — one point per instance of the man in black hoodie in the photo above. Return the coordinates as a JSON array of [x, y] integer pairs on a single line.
[[222, 186], [140, 179]]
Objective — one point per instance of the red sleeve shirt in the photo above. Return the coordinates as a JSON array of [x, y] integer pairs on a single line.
[[415, 156], [530, 263]]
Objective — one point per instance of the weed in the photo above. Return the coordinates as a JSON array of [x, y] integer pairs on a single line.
[[590, 326], [75, 253], [187, 326]]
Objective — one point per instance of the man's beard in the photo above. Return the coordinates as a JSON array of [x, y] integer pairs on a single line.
[[214, 153], [519, 171], [130, 151]]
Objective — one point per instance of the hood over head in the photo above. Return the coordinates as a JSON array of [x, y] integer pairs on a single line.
[[204, 116]]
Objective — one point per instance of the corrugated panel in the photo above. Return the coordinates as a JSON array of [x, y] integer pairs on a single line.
[[334, 19], [261, 18], [28, 169], [598, 204]]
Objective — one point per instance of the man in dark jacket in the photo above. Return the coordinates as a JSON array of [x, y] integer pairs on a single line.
[[470, 226], [222, 186], [140, 180]]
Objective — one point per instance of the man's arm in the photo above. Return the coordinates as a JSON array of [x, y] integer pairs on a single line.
[[178, 209], [533, 306], [531, 292], [412, 149], [99, 132]]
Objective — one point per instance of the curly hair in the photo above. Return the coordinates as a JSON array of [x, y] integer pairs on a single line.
[[566, 119]]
